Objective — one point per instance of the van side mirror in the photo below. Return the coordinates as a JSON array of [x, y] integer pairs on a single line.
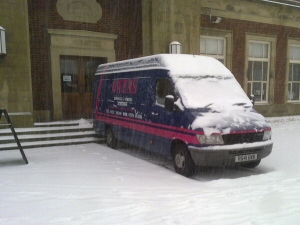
[[169, 103]]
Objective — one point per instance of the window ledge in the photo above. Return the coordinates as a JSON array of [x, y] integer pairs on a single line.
[[296, 102], [261, 103]]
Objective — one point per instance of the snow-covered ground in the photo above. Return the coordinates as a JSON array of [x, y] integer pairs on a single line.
[[92, 184]]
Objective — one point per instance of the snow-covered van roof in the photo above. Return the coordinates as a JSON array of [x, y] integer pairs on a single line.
[[177, 64]]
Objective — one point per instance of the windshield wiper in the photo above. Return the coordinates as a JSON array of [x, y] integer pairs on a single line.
[[240, 104], [208, 105]]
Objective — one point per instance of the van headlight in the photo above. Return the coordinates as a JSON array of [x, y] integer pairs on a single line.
[[214, 139], [267, 135]]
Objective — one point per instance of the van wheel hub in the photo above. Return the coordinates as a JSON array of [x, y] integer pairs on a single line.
[[109, 138], [180, 160]]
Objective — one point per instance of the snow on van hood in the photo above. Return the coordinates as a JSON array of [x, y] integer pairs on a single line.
[[226, 119]]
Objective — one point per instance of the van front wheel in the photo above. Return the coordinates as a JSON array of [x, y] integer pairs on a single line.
[[182, 160], [110, 138]]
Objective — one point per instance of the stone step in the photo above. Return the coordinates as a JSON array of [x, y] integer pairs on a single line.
[[39, 144], [46, 137], [46, 130], [50, 134]]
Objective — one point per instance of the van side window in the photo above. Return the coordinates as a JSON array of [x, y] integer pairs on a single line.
[[164, 87]]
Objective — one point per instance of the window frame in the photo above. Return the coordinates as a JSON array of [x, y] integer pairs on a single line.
[[271, 39], [224, 34], [289, 63], [262, 81], [216, 56]]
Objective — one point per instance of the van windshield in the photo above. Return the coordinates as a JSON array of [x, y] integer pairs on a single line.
[[213, 92]]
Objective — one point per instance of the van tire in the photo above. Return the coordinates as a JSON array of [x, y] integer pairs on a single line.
[[252, 164], [111, 141], [182, 160]]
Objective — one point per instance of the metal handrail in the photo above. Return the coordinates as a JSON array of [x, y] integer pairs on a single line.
[[4, 111]]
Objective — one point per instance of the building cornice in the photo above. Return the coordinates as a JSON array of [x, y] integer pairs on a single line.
[[82, 33], [254, 11]]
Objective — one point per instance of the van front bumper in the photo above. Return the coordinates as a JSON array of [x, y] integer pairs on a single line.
[[224, 155]]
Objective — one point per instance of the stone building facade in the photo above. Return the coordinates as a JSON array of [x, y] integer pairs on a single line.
[[15, 68], [54, 46], [103, 30]]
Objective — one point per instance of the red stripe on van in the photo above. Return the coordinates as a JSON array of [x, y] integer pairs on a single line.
[[133, 120], [165, 131]]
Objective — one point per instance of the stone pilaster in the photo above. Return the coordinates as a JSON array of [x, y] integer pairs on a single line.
[[165, 21], [15, 69]]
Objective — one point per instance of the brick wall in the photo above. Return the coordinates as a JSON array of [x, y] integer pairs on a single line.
[[239, 28], [122, 18]]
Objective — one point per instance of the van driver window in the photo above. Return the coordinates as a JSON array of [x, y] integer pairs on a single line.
[[164, 87]]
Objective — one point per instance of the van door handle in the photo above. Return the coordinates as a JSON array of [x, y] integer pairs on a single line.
[[154, 114]]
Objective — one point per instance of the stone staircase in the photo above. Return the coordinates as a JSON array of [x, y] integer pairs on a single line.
[[50, 134]]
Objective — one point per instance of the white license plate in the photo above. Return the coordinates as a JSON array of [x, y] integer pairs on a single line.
[[245, 158]]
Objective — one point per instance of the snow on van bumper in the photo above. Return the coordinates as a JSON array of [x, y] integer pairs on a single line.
[[225, 155]]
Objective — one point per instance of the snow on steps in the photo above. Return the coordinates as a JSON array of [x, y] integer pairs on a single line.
[[50, 134]]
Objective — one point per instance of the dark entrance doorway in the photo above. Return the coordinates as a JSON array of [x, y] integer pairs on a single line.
[[77, 75]]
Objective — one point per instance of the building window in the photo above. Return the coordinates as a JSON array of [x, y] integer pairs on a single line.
[[214, 47], [294, 74], [258, 70]]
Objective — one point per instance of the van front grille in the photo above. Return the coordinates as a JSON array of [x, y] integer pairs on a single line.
[[230, 139]]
